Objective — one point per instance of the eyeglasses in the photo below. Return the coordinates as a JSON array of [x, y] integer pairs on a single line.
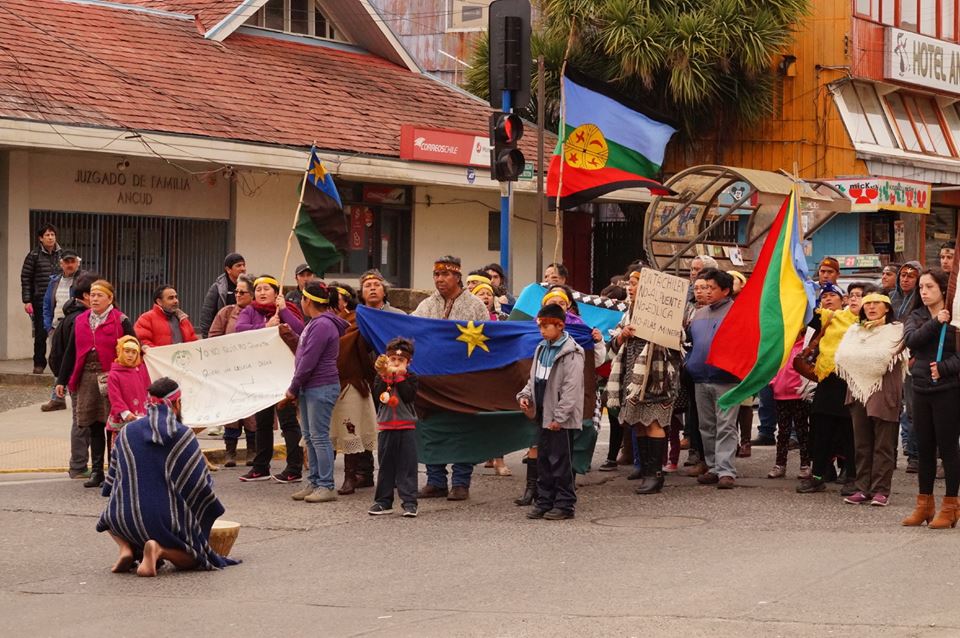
[[242, 292]]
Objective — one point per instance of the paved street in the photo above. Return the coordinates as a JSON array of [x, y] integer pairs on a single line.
[[693, 561]]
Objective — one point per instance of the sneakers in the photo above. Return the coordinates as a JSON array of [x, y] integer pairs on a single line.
[[811, 485], [299, 495], [880, 500], [53, 405], [254, 475], [287, 477], [778, 471], [806, 472], [608, 466], [857, 498], [321, 495], [379, 510], [409, 511], [670, 468]]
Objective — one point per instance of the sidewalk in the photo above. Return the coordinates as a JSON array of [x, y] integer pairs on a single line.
[[35, 441], [20, 372]]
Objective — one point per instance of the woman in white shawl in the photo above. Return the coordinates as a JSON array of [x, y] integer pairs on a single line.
[[871, 358]]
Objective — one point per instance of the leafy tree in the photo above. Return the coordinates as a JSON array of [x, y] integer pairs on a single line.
[[709, 63]]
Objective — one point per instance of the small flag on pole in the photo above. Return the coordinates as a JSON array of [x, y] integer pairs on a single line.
[[321, 228]]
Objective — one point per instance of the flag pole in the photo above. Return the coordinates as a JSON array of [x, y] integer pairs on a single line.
[[558, 217], [296, 216]]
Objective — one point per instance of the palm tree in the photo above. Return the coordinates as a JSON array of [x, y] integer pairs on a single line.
[[710, 63]]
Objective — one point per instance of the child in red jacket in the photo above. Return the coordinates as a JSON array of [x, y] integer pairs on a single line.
[[127, 385]]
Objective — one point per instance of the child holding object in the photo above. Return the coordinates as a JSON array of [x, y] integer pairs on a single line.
[[553, 397], [394, 391]]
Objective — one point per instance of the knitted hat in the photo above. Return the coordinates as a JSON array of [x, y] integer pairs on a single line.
[[232, 260]]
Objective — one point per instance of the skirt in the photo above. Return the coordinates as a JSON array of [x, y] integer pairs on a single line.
[[92, 407], [353, 424], [646, 413]]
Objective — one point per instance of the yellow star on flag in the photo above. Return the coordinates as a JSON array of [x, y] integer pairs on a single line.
[[473, 336], [317, 172]]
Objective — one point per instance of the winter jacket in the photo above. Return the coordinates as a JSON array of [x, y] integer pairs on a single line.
[[50, 298], [903, 302], [153, 328], [315, 363], [401, 416], [563, 395], [127, 390], [703, 328], [225, 322], [921, 334], [251, 319], [35, 274], [788, 384], [61, 336], [104, 342], [221, 293]]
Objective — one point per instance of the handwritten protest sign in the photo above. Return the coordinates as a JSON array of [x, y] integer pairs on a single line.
[[658, 310], [226, 378]]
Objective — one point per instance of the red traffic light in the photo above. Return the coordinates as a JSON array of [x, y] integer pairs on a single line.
[[506, 160], [507, 128]]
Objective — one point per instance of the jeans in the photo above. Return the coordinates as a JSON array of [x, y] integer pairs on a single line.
[[908, 439], [718, 428], [437, 475], [767, 411], [39, 334], [316, 407]]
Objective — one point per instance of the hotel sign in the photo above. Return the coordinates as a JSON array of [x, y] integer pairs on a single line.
[[917, 59]]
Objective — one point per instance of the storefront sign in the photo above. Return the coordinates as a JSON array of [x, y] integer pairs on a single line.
[[443, 146], [375, 194], [858, 261], [872, 194], [899, 236], [917, 59]]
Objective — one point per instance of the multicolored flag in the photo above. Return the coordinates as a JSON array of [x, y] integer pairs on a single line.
[[321, 228], [610, 143], [756, 336]]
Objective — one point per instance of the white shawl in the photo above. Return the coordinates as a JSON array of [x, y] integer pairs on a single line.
[[866, 354]]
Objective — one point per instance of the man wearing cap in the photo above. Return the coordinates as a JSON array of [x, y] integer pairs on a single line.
[[59, 292], [304, 274], [222, 292], [449, 301], [39, 264], [373, 292]]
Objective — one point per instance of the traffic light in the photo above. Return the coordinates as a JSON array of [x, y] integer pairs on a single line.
[[510, 55], [506, 160]]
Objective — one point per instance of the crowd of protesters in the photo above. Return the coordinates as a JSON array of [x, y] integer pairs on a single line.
[[878, 360]]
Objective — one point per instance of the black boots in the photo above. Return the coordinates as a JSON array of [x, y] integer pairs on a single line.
[[349, 485], [230, 455], [530, 493], [651, 464], [364, 469]]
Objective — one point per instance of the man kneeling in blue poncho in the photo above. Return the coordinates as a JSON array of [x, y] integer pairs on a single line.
[[162, 504]]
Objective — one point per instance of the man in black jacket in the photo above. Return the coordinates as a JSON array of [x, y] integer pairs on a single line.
[[78, 302], [39, 264], [222, 292]]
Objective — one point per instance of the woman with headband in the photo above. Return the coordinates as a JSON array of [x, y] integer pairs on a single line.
[[316, 386], [644, 379], [269, 309], [347, 301], [86, 363], [871, 358]]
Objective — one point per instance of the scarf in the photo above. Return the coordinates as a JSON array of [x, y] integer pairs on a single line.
[[655, 376], [96, 320], [836, 325], [866, 354], [265, 309]]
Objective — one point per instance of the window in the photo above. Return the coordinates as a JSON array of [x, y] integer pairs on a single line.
[[302, 17], [908, 15], [951, 117], [467, 15], [888, 11], [867, 122], [928, 17], [868, 8], [920, 125], [948, 17]]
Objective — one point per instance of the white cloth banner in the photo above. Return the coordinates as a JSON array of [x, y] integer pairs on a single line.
[[226, 378]]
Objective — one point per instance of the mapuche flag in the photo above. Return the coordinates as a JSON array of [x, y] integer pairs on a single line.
[[611, 143], [321, 228], [756, 337], [469, 375]]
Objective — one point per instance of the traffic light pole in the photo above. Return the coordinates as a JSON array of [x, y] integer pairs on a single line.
[[506, 195]]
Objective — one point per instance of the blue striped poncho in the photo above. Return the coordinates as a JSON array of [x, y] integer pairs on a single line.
[[160, 489]]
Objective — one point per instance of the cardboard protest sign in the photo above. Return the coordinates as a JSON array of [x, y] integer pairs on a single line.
[[658, 309], [226, 378]]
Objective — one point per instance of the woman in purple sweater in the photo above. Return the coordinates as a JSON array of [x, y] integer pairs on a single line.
[[316, 383], [268, 310]]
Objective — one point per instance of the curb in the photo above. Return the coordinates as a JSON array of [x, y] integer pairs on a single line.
[[39, 380], [213, 456]]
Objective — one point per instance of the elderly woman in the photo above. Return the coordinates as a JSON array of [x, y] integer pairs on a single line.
[[316, 385], [225, 323], [935, 401], [870, 358], [87, 362], [644, 381], [269, 309], [162, 505]]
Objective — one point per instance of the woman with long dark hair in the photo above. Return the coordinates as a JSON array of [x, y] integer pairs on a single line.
[[87, 361], [935, 400]]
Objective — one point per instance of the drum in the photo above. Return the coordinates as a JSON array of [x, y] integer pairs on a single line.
[[223, 535]]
